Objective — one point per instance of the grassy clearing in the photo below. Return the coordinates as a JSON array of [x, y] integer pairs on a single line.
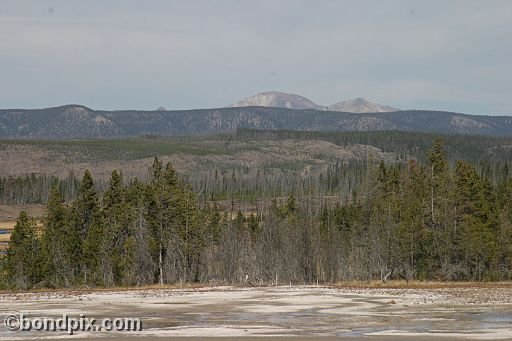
[[123, 149], [399, 284], [85, 289], [395, 284], [7, 225]]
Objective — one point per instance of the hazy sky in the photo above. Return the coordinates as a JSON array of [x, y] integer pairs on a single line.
[[453, 55]]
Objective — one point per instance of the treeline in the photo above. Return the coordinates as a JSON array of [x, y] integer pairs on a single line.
[[423, 221], [477, 149], [35, 189], [489, 155], [239, 183], [135, 234], [427, 221], [247, 184]]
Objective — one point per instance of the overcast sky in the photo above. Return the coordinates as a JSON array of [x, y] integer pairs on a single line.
[[446, 55]]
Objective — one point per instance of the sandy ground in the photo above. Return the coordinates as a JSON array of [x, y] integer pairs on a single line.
[[299, 312]]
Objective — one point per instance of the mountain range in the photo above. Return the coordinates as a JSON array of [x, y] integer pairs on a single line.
[[76, 121], [278, 99]]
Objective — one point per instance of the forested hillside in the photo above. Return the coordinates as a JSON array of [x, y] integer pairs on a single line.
[[425, 220], [247, 167], [243, 170], [74, 121]]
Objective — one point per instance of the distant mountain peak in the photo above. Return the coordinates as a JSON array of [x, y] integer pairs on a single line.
[[70, 106], [278, 99], [360, 105]]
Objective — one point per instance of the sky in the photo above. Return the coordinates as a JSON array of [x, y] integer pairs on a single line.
[[127, 54]]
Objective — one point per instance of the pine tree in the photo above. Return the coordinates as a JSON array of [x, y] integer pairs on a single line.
[[504, 233], [59, 243], [143, 258], [172, 213], [438, 176], [23, 254], [93, 252], [415, 239], [442, 207], [476, 235], [86, 221], [117, 215]]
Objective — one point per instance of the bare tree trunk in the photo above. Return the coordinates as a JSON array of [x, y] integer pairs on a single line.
[[432, 193], [161, 258], [385, 278]]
